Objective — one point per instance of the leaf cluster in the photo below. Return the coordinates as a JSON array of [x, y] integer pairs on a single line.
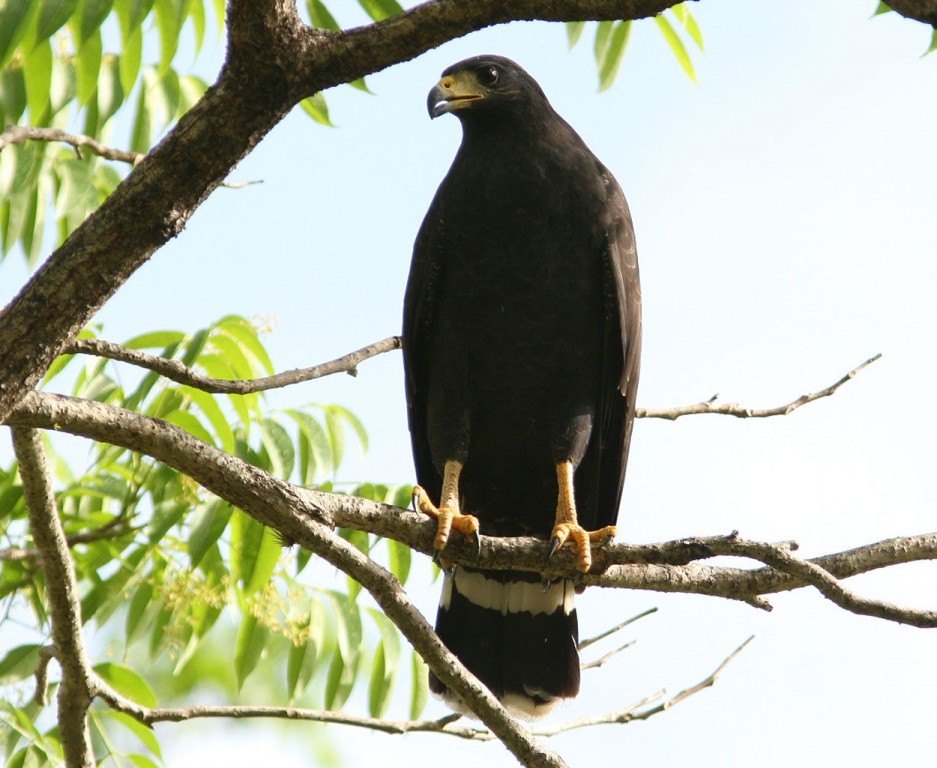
[[174, 579]]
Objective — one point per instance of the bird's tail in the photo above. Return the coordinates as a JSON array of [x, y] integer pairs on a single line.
[[517, 635]]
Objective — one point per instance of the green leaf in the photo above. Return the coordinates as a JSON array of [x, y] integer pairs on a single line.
[[316, 107], [246, 335], [12, 95], [248, 647], [142, 761], [613, 54], [191, 424], [19, 664], [91, 17], [196, 11], [142, 732], [384, 666], [676, 46], [255, 551], [574, 30], [170, 15], [139, 604], [303, 658], [320, 16], [155, 339], [882, 8], [53, 14], [380, 9], [212, 411], [89, 65], [399, 560], [38, 70], [279, 447], [315, 453], [142, 134], [683, 15], [933, 42], [127, 682], [15, 17], [131, 56], [419, 685], [210, 522]]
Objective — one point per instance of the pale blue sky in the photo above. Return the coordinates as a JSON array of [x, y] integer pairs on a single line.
[[786, 229]]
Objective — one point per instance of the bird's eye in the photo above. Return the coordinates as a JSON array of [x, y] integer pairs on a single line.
[[488, 75]]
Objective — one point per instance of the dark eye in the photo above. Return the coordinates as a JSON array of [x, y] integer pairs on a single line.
[[488, 75]]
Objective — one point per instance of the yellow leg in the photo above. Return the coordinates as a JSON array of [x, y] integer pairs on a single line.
[[567, 524], [448, 514]]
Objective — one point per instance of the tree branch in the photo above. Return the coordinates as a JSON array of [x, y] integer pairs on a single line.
[[75, 689], [731, 409], [177, 371], [116, 527], [444, 725], [20, 134], [918, 10], [292, 510]]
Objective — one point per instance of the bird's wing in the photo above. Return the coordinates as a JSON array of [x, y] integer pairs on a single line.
[[622, 351], [418, 321]]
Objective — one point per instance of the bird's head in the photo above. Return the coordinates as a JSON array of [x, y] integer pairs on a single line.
[[483, 85]]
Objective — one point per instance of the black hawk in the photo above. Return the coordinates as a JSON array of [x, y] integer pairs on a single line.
[[522, 338]]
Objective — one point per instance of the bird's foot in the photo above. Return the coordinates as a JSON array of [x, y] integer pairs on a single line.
[[448, 518], [582, 539]]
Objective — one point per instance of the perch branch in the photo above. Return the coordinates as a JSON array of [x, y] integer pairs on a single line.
[[298, 512], [732, 409], [177, 371]]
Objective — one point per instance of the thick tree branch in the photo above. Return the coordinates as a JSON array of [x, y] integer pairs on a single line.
[[293, 511], [919, 10], [75, 689], [177, 371]]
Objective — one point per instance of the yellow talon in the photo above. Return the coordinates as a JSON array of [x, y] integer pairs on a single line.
[[567, 526], [448, 515]]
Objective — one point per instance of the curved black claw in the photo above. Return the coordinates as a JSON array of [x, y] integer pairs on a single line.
[[478, 545], [555, 544]]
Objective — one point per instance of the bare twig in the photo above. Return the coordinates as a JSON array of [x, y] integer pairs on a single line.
[[41, 695], [732, 409], [583, 644], [444, 725], [20, 134], [75, 690], [604, 659], [182, 374], [116, 527], [636, 712]]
